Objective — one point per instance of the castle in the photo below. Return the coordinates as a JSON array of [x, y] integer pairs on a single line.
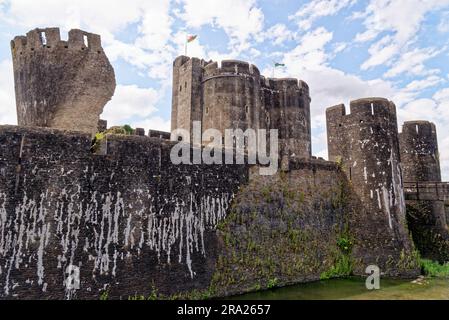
[[129, 223]]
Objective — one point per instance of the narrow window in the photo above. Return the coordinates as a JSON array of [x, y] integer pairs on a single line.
[[246, 109], [43, 39], [372, 109], [417, 129], [86, 42], [180, 88]]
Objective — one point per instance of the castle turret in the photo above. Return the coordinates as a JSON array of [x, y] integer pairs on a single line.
[[187, 92], [61, 84], [289, 111], [230, 96], [421, 170], [419, 152], [233, 95], [366, 144]]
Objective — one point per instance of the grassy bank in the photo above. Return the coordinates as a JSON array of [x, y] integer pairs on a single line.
[[434, 269]]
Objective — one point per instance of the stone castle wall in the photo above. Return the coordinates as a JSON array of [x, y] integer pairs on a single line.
[[134, 224], [61, 84], [420, 163], [129, 219], [419, 152], [365, 143]]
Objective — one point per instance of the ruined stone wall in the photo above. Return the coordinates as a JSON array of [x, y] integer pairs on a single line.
[[420, 163], [365, 143], [130, 220], [61, 84], [134, 224]]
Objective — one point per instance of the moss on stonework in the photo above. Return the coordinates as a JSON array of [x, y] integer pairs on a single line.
[[431, 240], [343, 261], [280, 232], [117, 130]]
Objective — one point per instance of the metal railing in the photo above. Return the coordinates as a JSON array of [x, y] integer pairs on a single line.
[[427, 190]]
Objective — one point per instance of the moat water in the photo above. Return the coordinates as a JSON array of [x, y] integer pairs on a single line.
[[354, 289]]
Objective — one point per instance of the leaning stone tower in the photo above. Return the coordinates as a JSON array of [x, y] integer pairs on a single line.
[[61, 84], [365, 143], [421, 166]]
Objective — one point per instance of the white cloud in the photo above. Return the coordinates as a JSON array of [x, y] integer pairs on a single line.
[[128, 102], [312, 11], [309, 62], [417, 110], [242, 20], [70, 14], [401, 19], [279, 33], [443, 26], [418, 85], [149, 51], [154, 123], [310, 53], [7, 95], [412, 62]]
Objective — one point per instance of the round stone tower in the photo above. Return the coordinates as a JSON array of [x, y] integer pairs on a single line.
[[419, 152], [421, 170], [230, 95], [234, 95], [365, 143], [61, 84], [291, 114]]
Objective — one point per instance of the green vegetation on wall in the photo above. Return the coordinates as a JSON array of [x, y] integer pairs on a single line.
[[281, 231], [119, 130]]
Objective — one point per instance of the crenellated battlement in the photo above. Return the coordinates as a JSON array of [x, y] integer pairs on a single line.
[[284, 84], [363, 110], [230, 68], [50, 38], [419, 151], [61, 84], [419, 128]]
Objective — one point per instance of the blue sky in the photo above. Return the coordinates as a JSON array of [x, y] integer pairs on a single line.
[[344, 50]]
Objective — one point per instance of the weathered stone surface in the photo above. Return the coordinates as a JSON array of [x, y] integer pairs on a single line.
[[129, 219], [135, 224], [235, 96], [284, 229], [61, 84], [365, 143], [419, 152]]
